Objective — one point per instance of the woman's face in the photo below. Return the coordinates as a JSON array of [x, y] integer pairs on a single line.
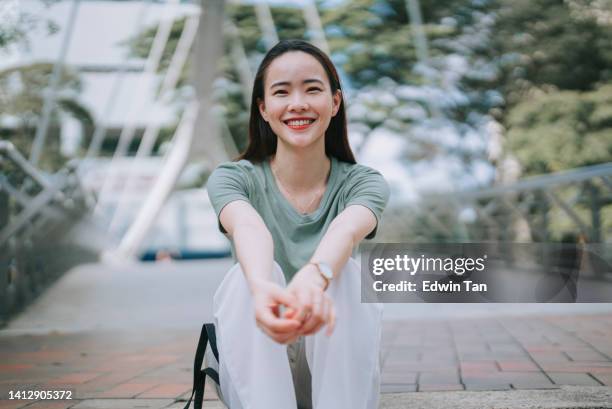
[[298, 102]]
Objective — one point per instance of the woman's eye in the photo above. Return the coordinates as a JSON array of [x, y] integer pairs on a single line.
[[314, 89], [280, 92]]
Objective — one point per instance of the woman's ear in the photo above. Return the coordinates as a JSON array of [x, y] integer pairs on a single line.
[[337, 100], [262, 109]]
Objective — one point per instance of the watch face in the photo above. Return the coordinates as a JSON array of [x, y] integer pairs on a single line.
[[326, 270]]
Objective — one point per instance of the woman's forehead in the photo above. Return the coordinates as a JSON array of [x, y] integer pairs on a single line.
[[294, 67]]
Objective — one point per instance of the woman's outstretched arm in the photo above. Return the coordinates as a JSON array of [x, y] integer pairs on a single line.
[[252, 240], [255, 252], [345, 232]]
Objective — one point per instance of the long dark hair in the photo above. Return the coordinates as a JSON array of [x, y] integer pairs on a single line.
[[262, 140]]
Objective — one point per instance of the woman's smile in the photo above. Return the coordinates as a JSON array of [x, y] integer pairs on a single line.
[[299, 124]]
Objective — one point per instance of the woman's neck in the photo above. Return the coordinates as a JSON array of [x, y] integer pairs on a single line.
[[302, 170]]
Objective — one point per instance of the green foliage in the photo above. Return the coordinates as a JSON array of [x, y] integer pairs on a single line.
[[16, 24], [10, 35], [558, 130], [374, 37], [542, 42], [140, 45], [560, 46], [22, 99], [369, 40]]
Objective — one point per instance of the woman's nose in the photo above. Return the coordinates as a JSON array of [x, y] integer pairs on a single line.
[[298, 103]]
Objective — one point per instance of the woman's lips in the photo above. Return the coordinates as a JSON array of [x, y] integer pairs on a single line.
[[299, 124]]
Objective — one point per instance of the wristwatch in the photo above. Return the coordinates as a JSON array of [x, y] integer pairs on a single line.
[[325, 270]]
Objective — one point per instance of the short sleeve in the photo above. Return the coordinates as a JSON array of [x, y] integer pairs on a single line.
[[368, 188], [228, 182]]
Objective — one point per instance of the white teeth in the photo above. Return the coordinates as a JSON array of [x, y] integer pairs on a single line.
[[300, 122]]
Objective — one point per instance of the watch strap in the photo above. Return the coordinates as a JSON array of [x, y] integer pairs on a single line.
[[321, 273]]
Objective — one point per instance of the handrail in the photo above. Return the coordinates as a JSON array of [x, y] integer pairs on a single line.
[[53, 188], [546, 207], [543, 181], [9, 149], [35, 206]]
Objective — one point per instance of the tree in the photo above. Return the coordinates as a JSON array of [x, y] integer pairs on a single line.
[[373, 39], [21, 103], [559, 130], [22, 87], [486, 58], [15, 24], [545, 42], [371, 44]]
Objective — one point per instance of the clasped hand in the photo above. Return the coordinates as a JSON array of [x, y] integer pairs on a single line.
[[302, 308]]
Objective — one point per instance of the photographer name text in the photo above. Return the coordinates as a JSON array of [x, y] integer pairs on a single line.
[[430, 286], [448, 267]]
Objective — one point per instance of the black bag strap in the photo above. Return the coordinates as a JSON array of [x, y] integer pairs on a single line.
[[199, 374], [213, 374], [212, 337]]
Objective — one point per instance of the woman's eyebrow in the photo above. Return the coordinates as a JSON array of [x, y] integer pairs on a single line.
[[308, 81], [287, 83], [280, 83]]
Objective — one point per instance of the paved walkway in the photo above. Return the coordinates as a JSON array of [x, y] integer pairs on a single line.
[[498, 354], [125, 338]]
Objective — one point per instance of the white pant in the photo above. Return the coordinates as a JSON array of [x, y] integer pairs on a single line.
[[254, 370]]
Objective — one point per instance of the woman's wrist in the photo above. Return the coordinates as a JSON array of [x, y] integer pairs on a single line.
[[257, 283], [313, 272]]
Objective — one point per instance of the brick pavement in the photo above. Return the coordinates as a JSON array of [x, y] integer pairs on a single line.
[[113, 370], [498, 354]]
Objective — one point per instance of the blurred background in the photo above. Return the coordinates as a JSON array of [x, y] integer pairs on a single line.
[[491, 120]]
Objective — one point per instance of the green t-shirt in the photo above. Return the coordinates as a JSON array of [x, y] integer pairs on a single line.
[[296, 236]]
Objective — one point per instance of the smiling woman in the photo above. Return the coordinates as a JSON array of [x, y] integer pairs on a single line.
[[295, 205], [262, 139], [303, 102]]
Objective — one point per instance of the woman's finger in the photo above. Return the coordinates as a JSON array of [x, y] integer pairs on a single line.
[[281, 338], [284, 297], [304, 306], [267, 319], [290, 313], [316, 318]]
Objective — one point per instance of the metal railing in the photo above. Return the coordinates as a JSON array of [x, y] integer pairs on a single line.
[[574, 205], [36, 210]]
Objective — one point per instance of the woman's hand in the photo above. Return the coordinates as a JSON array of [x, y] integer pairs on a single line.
[[315, 308], [268, 298]]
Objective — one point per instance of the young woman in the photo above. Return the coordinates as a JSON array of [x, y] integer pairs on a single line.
[[295, 206]]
